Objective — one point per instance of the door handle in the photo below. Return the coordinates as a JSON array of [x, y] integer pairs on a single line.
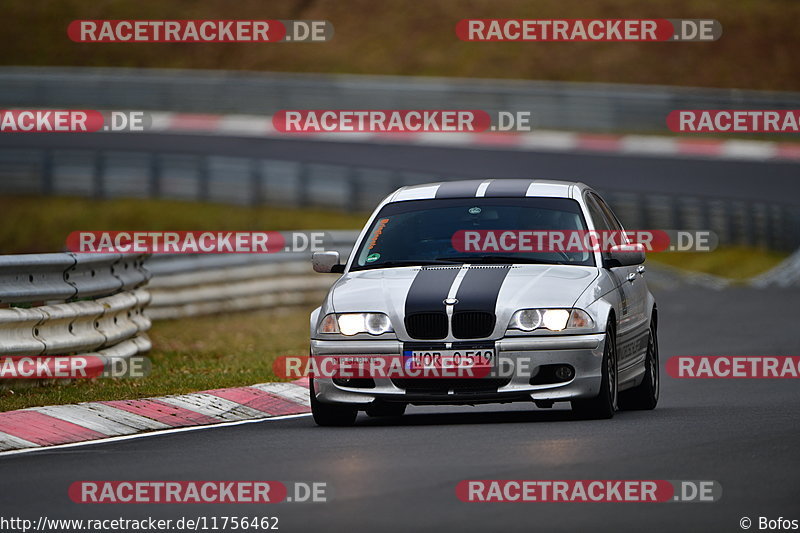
[[631, 277]]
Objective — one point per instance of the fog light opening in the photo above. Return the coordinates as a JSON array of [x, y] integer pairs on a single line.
[[565, 372]]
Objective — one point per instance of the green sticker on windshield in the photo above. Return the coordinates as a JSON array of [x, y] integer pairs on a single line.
[[474, 210], [373, 257]]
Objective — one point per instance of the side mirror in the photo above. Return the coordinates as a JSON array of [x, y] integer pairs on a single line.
[[624, 255], [327, 262]]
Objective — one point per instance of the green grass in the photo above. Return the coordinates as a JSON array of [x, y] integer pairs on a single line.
[[36, 224], [189, 355], [733, 262], [757, 49]]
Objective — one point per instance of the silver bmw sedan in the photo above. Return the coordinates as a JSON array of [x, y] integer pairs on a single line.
[[486, 291]]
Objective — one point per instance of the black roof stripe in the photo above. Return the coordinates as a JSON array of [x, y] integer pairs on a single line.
[[508, 187]]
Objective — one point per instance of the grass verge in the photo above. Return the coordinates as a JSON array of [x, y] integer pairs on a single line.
[[733, 262], [37, 224], [190, 355]]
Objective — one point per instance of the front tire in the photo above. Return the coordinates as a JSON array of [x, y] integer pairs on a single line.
[[605, 403], [330, 414], [644, 396]]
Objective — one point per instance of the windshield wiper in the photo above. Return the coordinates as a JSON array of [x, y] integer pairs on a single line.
[[504, 259], [402, 263]]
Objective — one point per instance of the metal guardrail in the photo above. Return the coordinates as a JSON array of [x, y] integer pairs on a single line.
[[257, 181], [190, 285], [242, 181], [555, 105], [69, 304], [66, 304]]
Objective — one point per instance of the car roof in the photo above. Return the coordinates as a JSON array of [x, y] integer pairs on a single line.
[[501, 187]]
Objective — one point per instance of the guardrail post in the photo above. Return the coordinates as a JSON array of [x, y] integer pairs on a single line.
[[749, 223], [705, 213], [256, 190], [730, 222], [643, 214], [46, 172], [791, 220], [675, 212], [771, 212], [202, 178], [302, 185], [155, 175], [353, 197], [98, 175]]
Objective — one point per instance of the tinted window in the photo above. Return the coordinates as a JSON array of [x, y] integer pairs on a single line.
[[422, 230], [598, 217]]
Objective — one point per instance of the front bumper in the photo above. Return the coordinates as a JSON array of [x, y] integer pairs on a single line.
[[527, 355]]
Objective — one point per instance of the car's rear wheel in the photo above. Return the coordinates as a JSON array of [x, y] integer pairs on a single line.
[[378, 408], [330, 414], [645, 395], [605, 403]]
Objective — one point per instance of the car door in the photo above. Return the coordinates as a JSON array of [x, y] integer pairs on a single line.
[[632, 328]]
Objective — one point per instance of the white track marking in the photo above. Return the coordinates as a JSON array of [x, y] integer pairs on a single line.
[[10, 443], [142, 423], [151, 434], [640, 144], [213, 406], [82, 416], [749, 150], [549, 140], [290, 391]]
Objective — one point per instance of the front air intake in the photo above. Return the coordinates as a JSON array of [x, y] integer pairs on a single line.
[[427, 326], [473, 324]]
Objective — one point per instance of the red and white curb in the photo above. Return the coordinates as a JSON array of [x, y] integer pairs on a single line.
[[39, 427], [645, 145]]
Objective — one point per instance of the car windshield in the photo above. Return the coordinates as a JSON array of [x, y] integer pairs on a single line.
[[431, 232]]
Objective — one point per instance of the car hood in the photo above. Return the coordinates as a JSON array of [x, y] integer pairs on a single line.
[[500, 289]]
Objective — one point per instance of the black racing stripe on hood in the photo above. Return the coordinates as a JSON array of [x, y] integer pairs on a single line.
[[480, 288], [458, 189], [514, 188], [429, 289]]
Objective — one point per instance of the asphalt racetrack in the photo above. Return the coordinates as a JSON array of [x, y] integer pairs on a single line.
[[401, 474], [722, 178]]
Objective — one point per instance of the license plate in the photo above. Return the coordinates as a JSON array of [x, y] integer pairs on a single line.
[[438, 359]]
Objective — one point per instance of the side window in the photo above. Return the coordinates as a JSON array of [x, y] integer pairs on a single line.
[[599, 219], [610, 216]]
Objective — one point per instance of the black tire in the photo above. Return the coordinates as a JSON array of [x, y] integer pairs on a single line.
[[644, 396], [330, 414], [378, 408], [605, 403]]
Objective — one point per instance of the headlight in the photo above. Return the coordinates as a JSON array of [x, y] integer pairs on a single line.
[[552, 319], [555, 319], [526, 320], [354, 323]]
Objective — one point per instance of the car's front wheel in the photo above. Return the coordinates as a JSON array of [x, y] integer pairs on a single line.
[[605, 403], [645, 395], [330, 414]]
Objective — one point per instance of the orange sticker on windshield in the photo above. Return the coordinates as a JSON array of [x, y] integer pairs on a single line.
[[377, 234]]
